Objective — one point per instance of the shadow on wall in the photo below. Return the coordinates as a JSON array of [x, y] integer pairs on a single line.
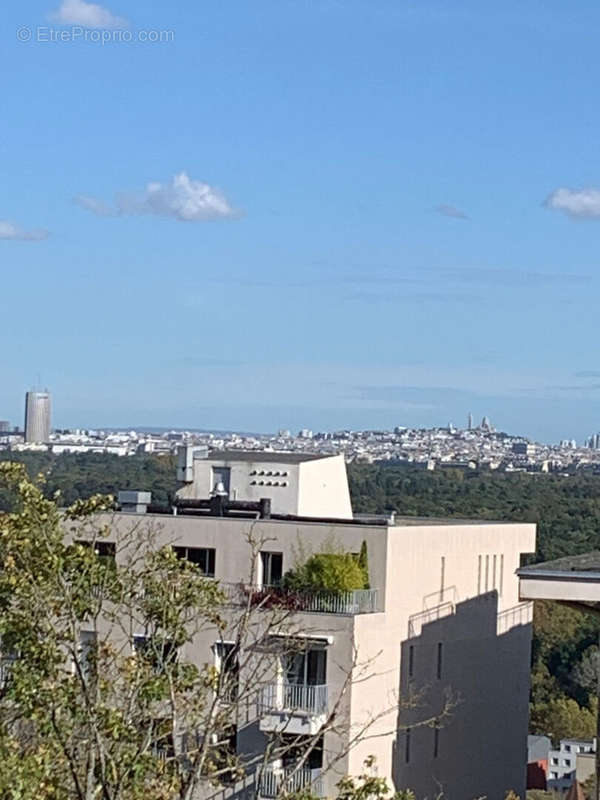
[[482, 659]]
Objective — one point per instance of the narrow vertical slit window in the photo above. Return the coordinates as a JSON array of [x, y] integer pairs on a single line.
[[436, 740], [407, 746], [487, 572], [501, 578], [494, 572], [478, 574], [411, 661], [439, 661], [442, 578]]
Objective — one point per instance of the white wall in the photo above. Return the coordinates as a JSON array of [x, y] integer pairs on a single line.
[[316, 487], [323, 489]]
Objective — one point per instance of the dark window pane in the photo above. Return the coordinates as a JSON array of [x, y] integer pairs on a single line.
[[272, 568], [203, 557]]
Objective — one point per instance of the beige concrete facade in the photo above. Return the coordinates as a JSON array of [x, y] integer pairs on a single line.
[[442, 618]]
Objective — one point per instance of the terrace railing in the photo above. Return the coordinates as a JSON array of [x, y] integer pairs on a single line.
[[358, 601], [295, 697], [288, 780]]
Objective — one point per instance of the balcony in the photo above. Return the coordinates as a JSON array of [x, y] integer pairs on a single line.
[[297, 709], [280, 781], [6, 667], [359, 601]]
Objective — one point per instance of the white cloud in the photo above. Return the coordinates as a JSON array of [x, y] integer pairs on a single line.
[[182, 198], [88, 15], [451, 211], [9, 230], [582, 203], [94, 205]]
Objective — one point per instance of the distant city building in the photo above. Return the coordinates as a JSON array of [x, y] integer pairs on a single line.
[[37, 416], [570, 444], [4, 426], [523, 449], [594, 441], [470, 422]]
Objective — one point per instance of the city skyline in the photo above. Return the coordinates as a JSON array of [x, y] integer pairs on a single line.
[[401, 226], [464, 420], [41, 419]]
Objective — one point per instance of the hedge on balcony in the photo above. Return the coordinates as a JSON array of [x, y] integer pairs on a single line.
[[327, 572]]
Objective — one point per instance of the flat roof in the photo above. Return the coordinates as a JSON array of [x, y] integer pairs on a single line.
[[364, 521], [587, 564], [275, 457], [401, 522]]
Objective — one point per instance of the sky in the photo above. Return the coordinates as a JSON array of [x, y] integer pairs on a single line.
[[302, 213]]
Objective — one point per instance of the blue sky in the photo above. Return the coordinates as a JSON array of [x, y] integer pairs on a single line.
[[302, 213]]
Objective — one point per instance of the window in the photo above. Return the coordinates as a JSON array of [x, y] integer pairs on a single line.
[[294, 747], [567, 762], [411, 661], [567, 748], [494, 572], [501, 578], [554, 761], [442, 578], [436, 740], [439, 660], [223, 754], [221, 475], [271, 568], [104, 550], [487, 572], [8, 657], [407, 746], [86, 653], [227, 664], [478, 574], [159, 653], [162, 746], [554, 775], [203, 557], [306, 667]]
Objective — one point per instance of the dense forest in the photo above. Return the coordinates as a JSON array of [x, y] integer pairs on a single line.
[[566, 510], [79, 475]]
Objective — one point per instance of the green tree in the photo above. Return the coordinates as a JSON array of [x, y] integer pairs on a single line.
[[562, 717], [363, 563], [332, 572]]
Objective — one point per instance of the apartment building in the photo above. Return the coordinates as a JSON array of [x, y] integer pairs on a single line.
[[563, 762], [441, 621]]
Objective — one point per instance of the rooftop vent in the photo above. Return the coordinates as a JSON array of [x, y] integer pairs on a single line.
[[134, 502]]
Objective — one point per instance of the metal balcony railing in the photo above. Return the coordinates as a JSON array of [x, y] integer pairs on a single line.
[[278, 781], [521, 614], [295, 697], [6, 667], [359, 601]]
